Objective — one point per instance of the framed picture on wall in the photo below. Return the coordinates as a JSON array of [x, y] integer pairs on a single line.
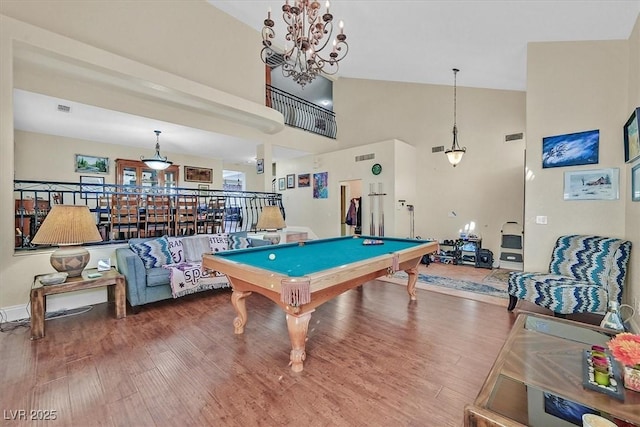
[[572, 149], [91, 186], [281, 184], [291, 181], [195, 174], [304, 180], [91, 164], [631, 138], [635, 183], [596, 184], [260, 166]]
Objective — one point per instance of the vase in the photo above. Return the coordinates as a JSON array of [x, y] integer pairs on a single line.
[[632, 378]]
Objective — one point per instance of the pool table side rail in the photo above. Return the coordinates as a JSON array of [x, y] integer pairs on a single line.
[[318, 280]]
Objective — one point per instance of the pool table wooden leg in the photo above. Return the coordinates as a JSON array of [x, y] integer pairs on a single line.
[[238, 301], [298, 326], [411, 283]]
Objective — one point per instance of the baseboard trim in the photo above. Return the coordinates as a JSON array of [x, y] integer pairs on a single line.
[[56, 303]]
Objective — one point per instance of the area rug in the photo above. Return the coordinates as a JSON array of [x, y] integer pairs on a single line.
[[498, 276], [495, 292]]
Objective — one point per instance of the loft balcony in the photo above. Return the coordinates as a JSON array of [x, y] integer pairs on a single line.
[[302, 114], [125, 211]]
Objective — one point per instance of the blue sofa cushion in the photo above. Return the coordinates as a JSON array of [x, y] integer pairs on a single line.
[[157, 276], [237, 242], [154, 252]]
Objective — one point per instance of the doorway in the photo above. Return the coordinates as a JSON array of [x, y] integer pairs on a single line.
[[350, 207]]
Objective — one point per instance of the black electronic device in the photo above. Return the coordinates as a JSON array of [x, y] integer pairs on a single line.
[[484, 258]]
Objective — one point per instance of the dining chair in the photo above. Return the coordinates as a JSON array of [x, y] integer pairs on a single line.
[[157, 215], [186, 215], [125, 215]]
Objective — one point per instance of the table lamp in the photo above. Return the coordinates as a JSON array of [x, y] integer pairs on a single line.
[[68, 226], [271, 220]]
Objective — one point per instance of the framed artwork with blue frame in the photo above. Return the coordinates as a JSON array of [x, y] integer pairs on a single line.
[[635, 183], [572, 149]]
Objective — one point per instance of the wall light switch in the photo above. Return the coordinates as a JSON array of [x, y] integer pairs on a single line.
[[541, 219]]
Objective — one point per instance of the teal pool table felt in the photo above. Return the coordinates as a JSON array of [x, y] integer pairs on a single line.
[[296, 259]]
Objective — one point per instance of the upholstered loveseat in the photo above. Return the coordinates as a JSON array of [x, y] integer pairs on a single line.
[[149, 264], [585, 273]]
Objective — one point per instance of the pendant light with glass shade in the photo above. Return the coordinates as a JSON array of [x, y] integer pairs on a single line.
[[454, 154], [157, 162]]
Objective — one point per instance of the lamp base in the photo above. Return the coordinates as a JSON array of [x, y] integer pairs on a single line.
[[273, 237], [71, 260]]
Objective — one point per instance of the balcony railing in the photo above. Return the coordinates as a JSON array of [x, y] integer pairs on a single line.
[[124, 211], [302, 114]]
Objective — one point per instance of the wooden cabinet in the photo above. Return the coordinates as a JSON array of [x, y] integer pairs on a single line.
[[135, 172]]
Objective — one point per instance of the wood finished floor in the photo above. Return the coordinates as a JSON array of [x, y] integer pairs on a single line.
[[373, 359]]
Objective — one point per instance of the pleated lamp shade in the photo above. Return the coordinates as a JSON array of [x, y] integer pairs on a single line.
[[68, 226], [271, 220]]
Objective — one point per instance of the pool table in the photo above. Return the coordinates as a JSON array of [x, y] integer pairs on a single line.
[[301, 276]]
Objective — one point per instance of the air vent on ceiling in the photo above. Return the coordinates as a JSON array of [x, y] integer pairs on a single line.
[[365, 157], [64, 108], [437, 149], [514, 137]]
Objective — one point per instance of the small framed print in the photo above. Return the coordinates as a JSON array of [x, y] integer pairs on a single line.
[[281, 184], [635, 183], [92, 164], [91, 186], [596, 184], [196, 174], [260, 166], [304, 180], [291, 181]]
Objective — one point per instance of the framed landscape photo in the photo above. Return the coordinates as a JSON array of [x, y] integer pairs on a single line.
[[91, 186], [291, 181], [572, 149], [596, 184], [195, 174], [281, 184], [631, 138], [92, 164], [635, 183]]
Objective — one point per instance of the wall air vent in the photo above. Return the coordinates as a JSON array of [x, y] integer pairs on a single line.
[[365, 157], [514, 137], [437, 149], [64, 108]]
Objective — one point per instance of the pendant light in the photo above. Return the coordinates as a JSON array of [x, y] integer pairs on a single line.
[[157, 162], [454, 154]]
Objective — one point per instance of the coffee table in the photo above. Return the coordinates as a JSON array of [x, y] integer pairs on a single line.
[[540, 366], [114, 281]]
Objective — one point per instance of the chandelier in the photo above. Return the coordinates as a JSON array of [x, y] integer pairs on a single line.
[[157, 162], [454, 154], [308, 34]]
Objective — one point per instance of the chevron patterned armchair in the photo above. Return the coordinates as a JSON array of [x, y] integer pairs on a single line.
[[585, 273]]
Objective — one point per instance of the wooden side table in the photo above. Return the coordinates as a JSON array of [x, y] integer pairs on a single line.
[[114, 281]]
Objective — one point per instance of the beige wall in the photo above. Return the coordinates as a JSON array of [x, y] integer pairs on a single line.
[[163, 42], [577, 86], [486, 187], [632, 209]]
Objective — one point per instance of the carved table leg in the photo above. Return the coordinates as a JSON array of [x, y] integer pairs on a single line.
[[237, 299], [411, 283], [298, 326]]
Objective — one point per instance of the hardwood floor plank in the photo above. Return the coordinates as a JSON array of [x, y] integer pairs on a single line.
[[373, 359]]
